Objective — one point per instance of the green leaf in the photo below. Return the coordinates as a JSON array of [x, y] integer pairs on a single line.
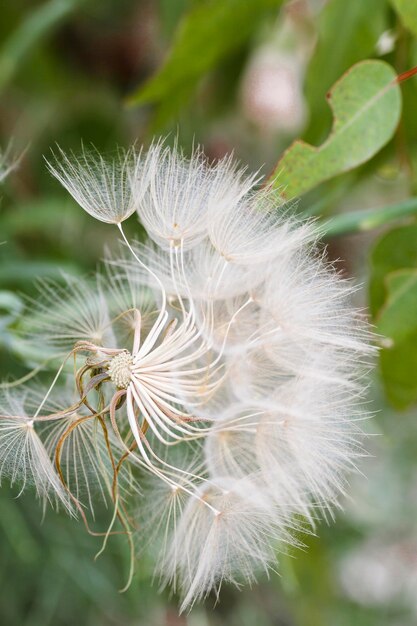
[[368, 219], [398, 317], [399, 372], [366, 103], [407, 10], [337, 49], [39, 22], [398, 323], [393, 300], [209, 32], [396, 250]]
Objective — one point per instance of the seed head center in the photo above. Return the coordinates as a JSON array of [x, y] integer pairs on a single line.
[[120, 369]]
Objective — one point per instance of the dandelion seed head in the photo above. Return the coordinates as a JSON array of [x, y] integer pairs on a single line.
[[220, 364]]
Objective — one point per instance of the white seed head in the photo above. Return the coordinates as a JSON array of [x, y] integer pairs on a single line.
[[228, 334]]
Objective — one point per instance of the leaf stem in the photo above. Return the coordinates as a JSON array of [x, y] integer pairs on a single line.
[[363, 221]]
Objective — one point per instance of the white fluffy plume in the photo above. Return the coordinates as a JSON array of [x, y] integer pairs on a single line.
[[222, 360]]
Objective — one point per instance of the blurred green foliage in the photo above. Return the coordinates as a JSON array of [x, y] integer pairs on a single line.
[[407, 11], [208, 34], [397, 322], [393, 303], [115, 72]]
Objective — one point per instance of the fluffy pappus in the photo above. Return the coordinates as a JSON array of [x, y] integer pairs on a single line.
[[219, 368]]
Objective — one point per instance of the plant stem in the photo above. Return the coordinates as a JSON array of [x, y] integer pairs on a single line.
[[362, 221]]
